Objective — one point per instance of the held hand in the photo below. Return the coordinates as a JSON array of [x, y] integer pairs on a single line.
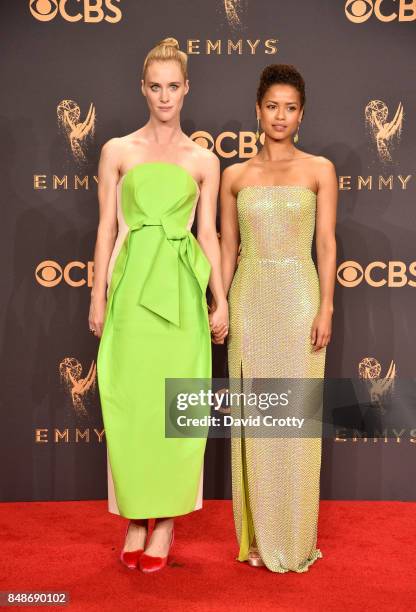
[[218, 322], [321, 330], [219, 338], [96, 316]]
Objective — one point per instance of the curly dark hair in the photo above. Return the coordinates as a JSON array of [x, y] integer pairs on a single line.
[[281, 73]]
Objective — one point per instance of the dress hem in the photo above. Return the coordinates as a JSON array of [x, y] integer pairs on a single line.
[[303, 567], [154, 516]]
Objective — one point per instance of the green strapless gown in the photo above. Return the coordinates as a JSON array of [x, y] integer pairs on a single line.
[[156, 327]]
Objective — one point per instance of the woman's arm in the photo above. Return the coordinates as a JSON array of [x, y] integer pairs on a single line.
[[108, 174], [327, 198], [230, 234], [208, 239]]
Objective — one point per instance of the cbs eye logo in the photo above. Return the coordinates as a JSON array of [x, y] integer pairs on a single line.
[[359, 11], [350, 274], [49, 273], [93, 12], [377, 274]]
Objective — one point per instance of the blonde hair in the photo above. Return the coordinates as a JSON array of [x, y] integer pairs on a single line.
[[167, 49]]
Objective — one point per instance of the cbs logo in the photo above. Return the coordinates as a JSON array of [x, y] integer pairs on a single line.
[[377, 274], [229, 144], [49, 273], [359, 11], [92, 10]]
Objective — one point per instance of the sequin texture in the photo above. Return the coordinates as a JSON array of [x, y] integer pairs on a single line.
[[273, 300]]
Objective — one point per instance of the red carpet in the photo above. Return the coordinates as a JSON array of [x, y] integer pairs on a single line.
[[369, 561]]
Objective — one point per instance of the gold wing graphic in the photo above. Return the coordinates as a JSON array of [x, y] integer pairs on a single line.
[[80, 130], [80, 386], [231, 8], [390, 128], [381, 386]]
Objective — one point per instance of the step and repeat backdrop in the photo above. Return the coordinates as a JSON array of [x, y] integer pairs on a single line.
[[70, 74]]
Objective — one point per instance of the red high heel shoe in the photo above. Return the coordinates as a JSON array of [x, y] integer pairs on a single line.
[[131, 558], [149, 564]]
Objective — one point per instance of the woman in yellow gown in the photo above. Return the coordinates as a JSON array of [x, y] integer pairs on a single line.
[[280, 317]]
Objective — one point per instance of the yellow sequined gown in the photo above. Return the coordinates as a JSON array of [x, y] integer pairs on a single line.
[[273, 300]]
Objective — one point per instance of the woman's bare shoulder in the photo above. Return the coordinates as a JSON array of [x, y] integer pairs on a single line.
[[121, 148], [319, 161], [320, 168], [112, 146], [117, 146], [235, 171], [111, 154], [325, 171], [203, 155]]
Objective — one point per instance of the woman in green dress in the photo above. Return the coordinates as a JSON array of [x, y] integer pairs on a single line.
[[280, 320], [149, 307]]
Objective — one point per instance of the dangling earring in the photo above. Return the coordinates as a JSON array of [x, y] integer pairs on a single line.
[[296, 137], [258, 128]]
